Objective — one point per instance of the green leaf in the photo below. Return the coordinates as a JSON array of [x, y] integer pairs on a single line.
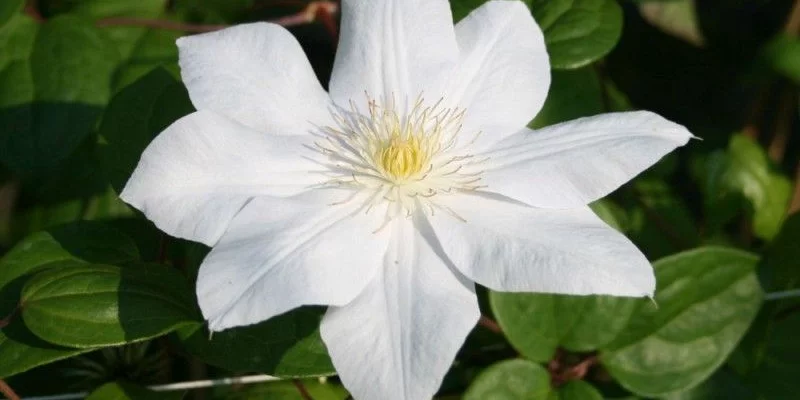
[[676, 17], [578, 32], [576, 390], [140, 49], [8, 8], [149, 240], [573, 94], [66, 83], [611, 213], [661, 223], [20, 349], [462, 8], [87, 242], [511, 380], [782, 257], [706, 299], [62, 248], [287, 345], [776, 376], [782, 54], [719, 208], [152, 49], [125, 37], [17, 38], [285, 390], [129, 391], [536, 324], [46, 216], [722, 385], [134, 117], [103, 305], [747, 171], [220, 11]]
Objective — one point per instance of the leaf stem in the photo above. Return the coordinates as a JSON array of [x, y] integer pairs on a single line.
[[302, 389], [490, 324], [315, 10], [159, 24], [794, 204], [792, 26], [786, 294], [7, 391], [7, 319]]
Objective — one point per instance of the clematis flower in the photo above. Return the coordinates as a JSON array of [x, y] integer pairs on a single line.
[[388, 196]]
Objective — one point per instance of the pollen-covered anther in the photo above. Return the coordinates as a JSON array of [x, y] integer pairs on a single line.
[[402, 158]]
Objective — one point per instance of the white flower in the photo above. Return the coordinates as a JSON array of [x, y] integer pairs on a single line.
[[386, 197]]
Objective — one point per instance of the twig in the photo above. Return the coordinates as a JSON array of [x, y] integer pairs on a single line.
[[792, 26], [325, 15], [794, 204], [302, 389], [578, 371], [32, 9], [561, 373], [239, 380], [309, 14], [163, 245], [751, 126], [489, 324], [786, 294], [159, 24], [7, 319], [783, 125], [7, 391]]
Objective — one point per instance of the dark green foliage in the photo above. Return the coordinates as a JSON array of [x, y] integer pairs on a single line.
[[83, 94]]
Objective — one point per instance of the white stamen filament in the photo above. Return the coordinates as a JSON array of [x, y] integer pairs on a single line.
[[404, 160]]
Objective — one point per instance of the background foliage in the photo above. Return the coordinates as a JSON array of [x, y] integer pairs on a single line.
[[86, 84]]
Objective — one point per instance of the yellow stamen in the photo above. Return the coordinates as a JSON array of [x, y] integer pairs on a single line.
[[402, 157]]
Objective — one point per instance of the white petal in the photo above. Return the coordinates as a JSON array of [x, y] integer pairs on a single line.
[[282, 253], [577, 162], [512, 247], [504, 71], [197, 174], [256, 74], [397, 339], [393, 49]]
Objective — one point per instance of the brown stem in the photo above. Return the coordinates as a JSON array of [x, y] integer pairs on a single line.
[[7, 391], [751, 126], [7, 319], [308, 15], [32, 9], [792, 26], [783, 125], [794, 204], [578, 371], [302, 389], [163, 246], [159, 24], [325, 15], [561, 373], [489, 324]]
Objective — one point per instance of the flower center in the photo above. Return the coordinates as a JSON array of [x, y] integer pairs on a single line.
[[404, 157]]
